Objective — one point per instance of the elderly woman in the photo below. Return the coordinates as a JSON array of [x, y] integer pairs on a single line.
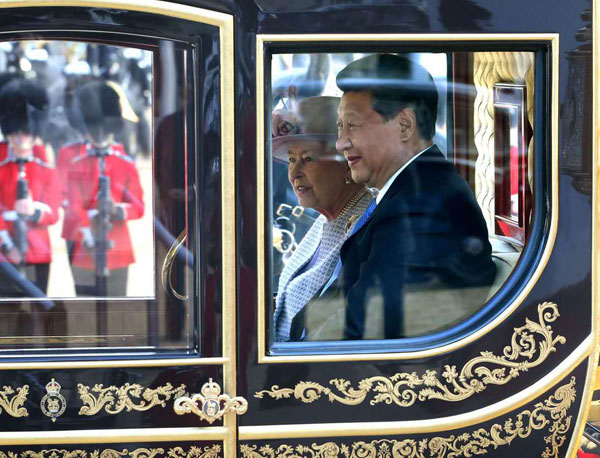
[[321, 180]]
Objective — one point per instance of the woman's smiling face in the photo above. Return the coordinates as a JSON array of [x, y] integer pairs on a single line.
[[318, 176]]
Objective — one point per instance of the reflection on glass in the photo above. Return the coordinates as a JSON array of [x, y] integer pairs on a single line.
[[512, 137], [75, 164], [384, 217], [85, 218]]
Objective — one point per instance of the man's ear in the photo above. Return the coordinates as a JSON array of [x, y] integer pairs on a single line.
[[407, 123]]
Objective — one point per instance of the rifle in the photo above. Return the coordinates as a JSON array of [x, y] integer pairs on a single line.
[[102, 226], [20, 224]]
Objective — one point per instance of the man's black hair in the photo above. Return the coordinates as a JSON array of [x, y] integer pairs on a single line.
[[394, 82]]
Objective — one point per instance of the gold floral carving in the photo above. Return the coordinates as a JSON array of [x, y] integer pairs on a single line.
[[211, 451], [128, 397], [530, 345], [12, 401], [551, 412]]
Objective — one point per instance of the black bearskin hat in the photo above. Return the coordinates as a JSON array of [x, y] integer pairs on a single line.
[[96, 110], [23, 107]]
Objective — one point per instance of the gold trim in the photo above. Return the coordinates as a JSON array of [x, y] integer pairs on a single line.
[[474, 377], [208, 451], [12, 401], [213, 404], [592, 372], [228, 226], [107, 436], [549, 412], [430, 425], [225, 24], [116, 399], [261, 40]]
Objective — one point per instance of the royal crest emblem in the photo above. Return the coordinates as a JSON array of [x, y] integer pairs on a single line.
[[210, 404], [53, 403]]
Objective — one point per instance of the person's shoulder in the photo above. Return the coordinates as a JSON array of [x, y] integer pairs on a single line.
[[71, 147], [42, 164]]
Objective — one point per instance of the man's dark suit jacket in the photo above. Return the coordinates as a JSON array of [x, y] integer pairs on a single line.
[[427, 228]]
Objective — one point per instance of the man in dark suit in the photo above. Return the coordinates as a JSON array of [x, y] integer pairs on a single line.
[[425, 232]]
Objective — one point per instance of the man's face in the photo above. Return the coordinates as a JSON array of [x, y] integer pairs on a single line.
[[369, 142]]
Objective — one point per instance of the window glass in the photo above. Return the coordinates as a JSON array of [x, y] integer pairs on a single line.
[[402, 189], [86, 219]]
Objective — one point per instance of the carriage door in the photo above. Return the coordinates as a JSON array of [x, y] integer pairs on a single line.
[[124, 349], [499, 366]]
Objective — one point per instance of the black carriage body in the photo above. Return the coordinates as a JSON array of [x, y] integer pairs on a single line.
[[514, 380]]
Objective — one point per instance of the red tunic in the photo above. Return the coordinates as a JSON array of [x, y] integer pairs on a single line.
[[43, 186], [38, 151], [125, 190], [63, 165]]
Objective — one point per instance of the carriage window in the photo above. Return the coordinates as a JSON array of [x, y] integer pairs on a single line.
[[402, 189], [86, 218]]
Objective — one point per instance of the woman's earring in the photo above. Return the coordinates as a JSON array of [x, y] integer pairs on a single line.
[[347, 181]]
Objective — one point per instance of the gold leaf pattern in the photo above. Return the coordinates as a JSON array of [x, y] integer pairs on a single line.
[[550, 412], [12, 401], [116, 399], [210, 451], [530, 346]]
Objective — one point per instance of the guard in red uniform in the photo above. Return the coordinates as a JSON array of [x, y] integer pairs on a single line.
[[29, 189], [63, 165], [104, 192]]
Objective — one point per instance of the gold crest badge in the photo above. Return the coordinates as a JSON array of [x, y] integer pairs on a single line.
[[53, 403], [210, 404]]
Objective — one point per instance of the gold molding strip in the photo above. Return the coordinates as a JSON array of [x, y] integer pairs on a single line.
[[430, 425], [443, 39], [12, 401], [116, 399], [550, 412], [530, 346], [208, 451], [228, 226], [107, 436]]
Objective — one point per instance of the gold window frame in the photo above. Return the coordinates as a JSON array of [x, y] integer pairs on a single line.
[[226, 433], [224, 22], [589, 347], [261, 156]]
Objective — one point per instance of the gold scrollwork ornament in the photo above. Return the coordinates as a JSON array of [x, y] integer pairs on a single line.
[[551, 412], [53, 404], [211, 451], [210, 404], [12, 401], [530, 346], [116, 399]]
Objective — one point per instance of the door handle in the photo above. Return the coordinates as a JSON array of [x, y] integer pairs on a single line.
[[210, 404], [165, 273]]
